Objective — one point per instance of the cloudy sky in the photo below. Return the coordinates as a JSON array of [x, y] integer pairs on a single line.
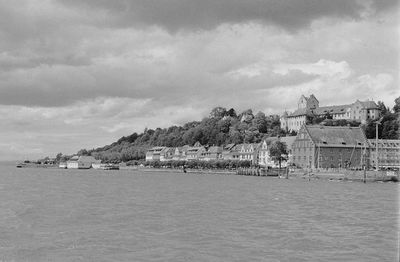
[[82, 73]]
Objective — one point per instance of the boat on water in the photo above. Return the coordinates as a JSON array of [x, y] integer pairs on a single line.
[[105, 166], [21, 165], [111, 167]]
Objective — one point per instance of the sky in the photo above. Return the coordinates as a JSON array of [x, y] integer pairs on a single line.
[[81, 74]]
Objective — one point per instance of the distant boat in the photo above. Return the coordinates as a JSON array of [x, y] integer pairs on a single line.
[[105, 166], [111, 167], [63, 165], [20, 165]]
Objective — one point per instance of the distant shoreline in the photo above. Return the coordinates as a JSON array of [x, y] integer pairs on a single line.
[[343, 175]]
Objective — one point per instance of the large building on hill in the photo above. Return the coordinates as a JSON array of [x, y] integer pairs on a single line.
[[330, 147], [309, 106]]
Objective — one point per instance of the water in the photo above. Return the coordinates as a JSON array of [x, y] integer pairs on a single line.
[[90, 215]]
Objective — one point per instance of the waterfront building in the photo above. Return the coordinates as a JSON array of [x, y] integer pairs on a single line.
[[330, 147], [167, 154], [264, 158], [212, 153], [153, 154], [194, 152], [231, 152], [309, 107], [81, 162], [180, 153], [388, 153], [249, 152]]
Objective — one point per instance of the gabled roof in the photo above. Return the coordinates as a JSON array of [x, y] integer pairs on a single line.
[[288, 140], [74, 158], [337, 135], [215, 149], [340, 109], [299, 112], [194, 149], [237, 147], [369, 104], [229, 146], [167, 149], [197, 144], [156, 149], [312, 96]]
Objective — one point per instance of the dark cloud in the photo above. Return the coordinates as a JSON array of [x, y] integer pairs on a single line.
[[175, 15]]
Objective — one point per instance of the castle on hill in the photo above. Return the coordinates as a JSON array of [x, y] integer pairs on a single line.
[[309, 106]]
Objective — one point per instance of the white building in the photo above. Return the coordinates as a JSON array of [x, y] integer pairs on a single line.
[[81, 162], [309, 106]]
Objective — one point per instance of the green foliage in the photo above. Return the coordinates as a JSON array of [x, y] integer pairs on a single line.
[[389, 123], [220, 128], [278, 152], [396, 107]]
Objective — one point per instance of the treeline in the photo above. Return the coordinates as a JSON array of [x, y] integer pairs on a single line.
[[221, 127], [224, 126], [388, 124]]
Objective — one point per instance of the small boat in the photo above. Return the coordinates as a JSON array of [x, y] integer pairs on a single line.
[[111, 167], [21, 165]]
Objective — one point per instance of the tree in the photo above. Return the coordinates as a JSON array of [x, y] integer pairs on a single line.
[[278, 152], [83, 152], [246, 116], [383, 108], [58, 157], [260, 122], [396, 107], [231, 112], [218, 112]]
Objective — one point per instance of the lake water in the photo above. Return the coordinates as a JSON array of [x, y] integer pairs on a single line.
[[91, 215]]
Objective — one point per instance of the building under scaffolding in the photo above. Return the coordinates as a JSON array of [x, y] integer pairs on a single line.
[[388, 153]]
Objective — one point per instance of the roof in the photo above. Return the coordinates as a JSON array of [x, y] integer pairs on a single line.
[[156, 149], [299, 112], [229, 146], [312, 96], [166, 150], [74, 158], [369, 104], [215, 149], [194, 149], [337, 135], [288, 140], [340, 109]]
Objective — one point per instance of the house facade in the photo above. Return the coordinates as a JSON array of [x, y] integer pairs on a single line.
[[82, 162], [330, 147], [154, 153], [195, 152], [167, 154], [212, 153], [249, 152]]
